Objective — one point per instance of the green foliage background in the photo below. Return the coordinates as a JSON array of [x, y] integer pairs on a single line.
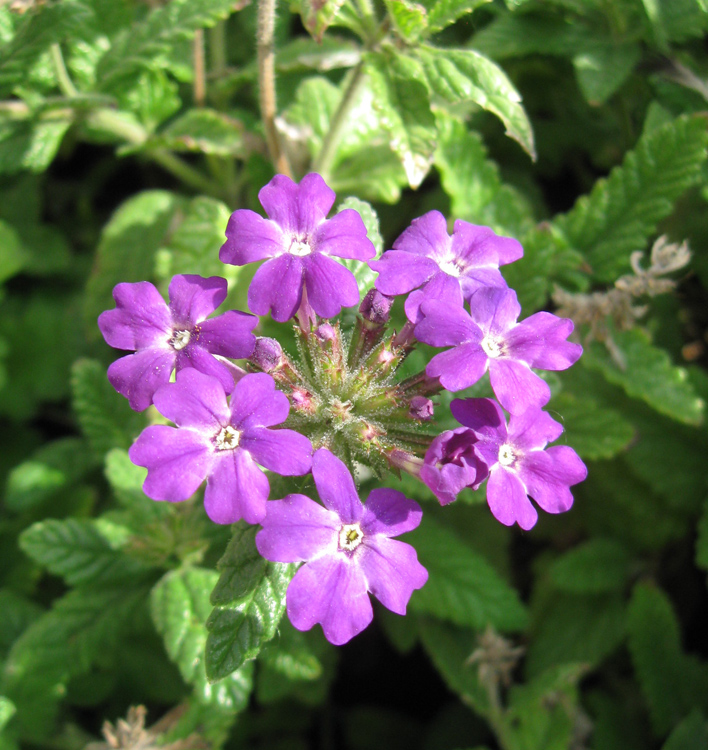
[[577, 126]]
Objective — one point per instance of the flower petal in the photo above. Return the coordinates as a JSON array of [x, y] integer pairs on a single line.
[[540, 340], [481, 247], [481, 278], [427, 235], [441, 288], [331, 591], [344, 235], [390, 513], [194, 400], [277, 286], [330, 286], [494, 310], [336, 486], [296, 529], [285, 452], [229, 334], [446, 324], [548, 475], [400, 272], [507, 499], [236, 489], [458, 368], [516, 386], [533, 428], [392, 571], [298, 209], [250, 238], [194, 357], [139, 375], [192, 297], [256, 403], [177, 460], [141, 317]]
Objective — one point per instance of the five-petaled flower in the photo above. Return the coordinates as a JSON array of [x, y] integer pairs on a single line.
[[220, 443], [489, 338], [519, 462], [347, 548], [296, 241], [175, 336]]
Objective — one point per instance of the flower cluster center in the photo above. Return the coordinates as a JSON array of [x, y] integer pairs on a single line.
[[350, 537], [506, 455], [180, 339], [227, 439], [451, 267], [493, 346], [299, 247]]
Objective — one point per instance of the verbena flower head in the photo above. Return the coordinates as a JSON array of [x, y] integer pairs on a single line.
[[451, 464], [448, 267], [519, 462], [347, 548], [489, 338], [221, 443], [175, 336], [296, 241]]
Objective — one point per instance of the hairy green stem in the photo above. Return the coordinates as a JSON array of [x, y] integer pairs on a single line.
[[63, 79], [324, 161], [266, 83]]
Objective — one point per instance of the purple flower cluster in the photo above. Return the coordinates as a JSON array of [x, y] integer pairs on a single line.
[[228, 420]]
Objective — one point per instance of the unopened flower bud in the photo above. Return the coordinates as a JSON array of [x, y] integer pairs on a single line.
[[375, 307], [302, 400], [268, 354], [421, 408], [325, 332]]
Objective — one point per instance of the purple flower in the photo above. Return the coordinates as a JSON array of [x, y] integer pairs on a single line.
[[176, 336], [490, 338], [297, 240], [348, 550], [449, 268], [451, 464], [220, 443], [518, 464]]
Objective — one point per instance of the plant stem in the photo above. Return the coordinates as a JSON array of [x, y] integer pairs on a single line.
[[323, 162], [65, 83], [199, 69], [217, 48], [266, 83]]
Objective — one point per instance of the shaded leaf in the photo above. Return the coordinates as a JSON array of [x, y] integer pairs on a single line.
[[597, 566]]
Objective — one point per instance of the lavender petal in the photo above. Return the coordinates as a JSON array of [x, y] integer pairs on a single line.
[[335, 486], [250, 238], [194, 357], [194, 400], [141, 317], [298, 209], [390, 513], [548, 475], [533, 428], [446, 324], [540, 340], [330, 286], [277, 287], [507, 499], [193, 298], [494, 310], [516, 386], [139, 375], [229, 335], [256, 403], [427, 235], [236, 489], [285, 452], [400, 272], [344, 235], [458, 368]]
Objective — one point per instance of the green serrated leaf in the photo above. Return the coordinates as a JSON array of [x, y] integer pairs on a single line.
[[622, 212], [180, 607], [203, 130], [450, 649], [319, 15], [410, 19], [53, 467], [126, 480], [127, 249], [29, 144], [76, 550], [673, 683], [648, 374], [7, 711], [595, 567], [472, 181], [462, 587], [442, 13], [402, 103], [456, 76], [104, 415], [690, 734], [151, 96], [82, 625], [594, 431], [16, 615], [573, 628], [250, 600], [602, 71], [147, 41]]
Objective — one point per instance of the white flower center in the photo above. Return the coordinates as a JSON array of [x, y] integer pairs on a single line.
[[506, 455], [350, 537], [451, 267], [299, 248], [227, 439], [493, 346], [180, 339]]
